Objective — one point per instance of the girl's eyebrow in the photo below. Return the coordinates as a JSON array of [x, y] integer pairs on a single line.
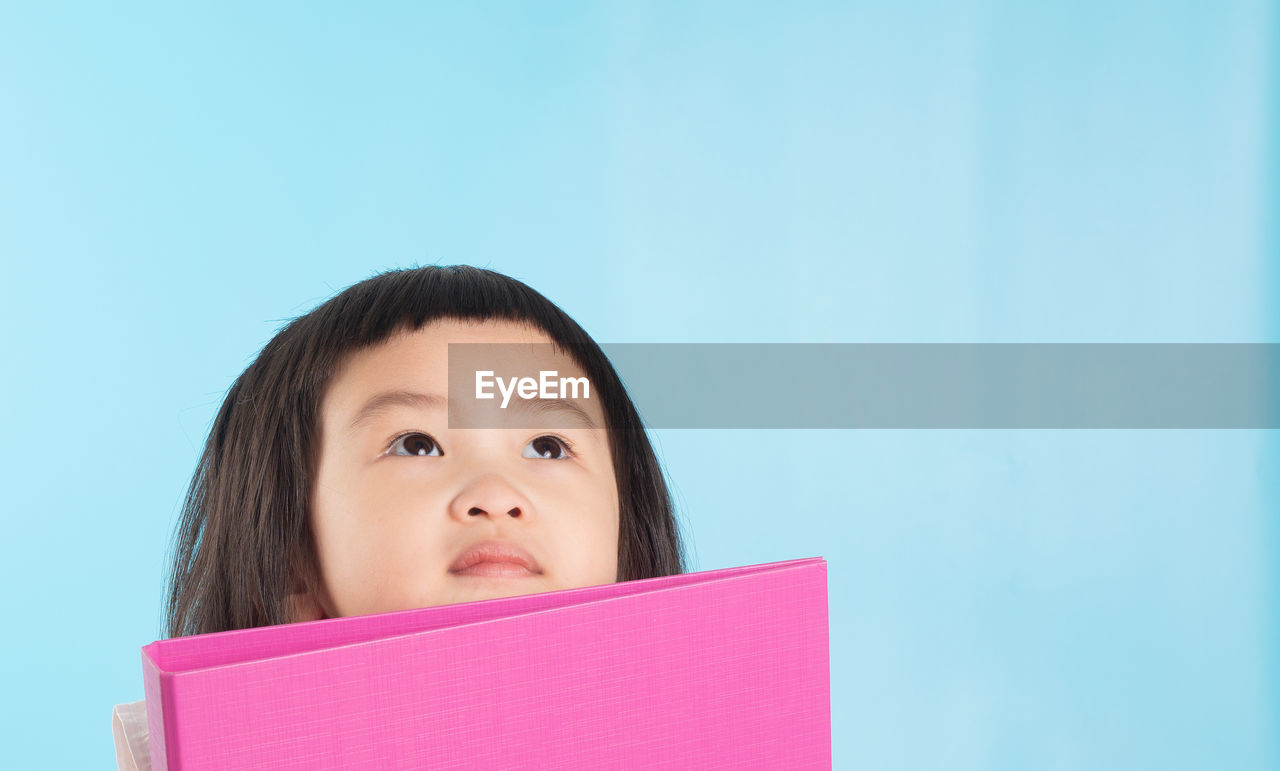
[[572, 412], [384, 401]]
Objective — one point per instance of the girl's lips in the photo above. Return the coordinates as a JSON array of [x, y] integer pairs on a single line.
[[496, 570], [500, 559]]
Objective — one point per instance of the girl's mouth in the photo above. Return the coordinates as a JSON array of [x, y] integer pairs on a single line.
[[495, 559], [495, 570]]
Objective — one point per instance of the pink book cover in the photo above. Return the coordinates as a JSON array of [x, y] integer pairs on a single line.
[[723, 668]]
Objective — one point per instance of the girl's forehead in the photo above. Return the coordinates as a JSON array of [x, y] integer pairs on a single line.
[[420, 362]]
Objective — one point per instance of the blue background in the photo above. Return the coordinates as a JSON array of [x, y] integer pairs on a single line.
[[175, 183]]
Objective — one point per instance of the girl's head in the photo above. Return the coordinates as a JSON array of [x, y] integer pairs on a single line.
[[332, 485]]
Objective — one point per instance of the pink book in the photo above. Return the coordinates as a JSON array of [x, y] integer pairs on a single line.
[[717, 669]]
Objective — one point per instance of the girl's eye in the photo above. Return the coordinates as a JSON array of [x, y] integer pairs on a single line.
[[548, 447], [414, 444]]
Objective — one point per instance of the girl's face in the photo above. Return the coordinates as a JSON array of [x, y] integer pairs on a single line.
[[399, 496]]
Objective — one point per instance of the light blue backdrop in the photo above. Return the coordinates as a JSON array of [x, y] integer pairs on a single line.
[[177, 182]]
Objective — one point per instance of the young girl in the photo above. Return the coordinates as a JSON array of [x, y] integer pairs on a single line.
[[332, 485]]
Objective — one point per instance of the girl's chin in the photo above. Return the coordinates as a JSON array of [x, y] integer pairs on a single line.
[[473, 588]]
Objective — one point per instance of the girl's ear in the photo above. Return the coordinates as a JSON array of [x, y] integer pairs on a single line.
[[302, 606], [303, 603]]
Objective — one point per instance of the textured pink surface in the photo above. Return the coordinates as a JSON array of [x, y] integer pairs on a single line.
[[722, 668]]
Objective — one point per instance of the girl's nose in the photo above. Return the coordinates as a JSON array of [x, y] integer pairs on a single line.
[[491, 496], [476, 510]]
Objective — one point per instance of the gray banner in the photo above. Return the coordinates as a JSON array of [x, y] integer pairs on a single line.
[[928, 385]]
